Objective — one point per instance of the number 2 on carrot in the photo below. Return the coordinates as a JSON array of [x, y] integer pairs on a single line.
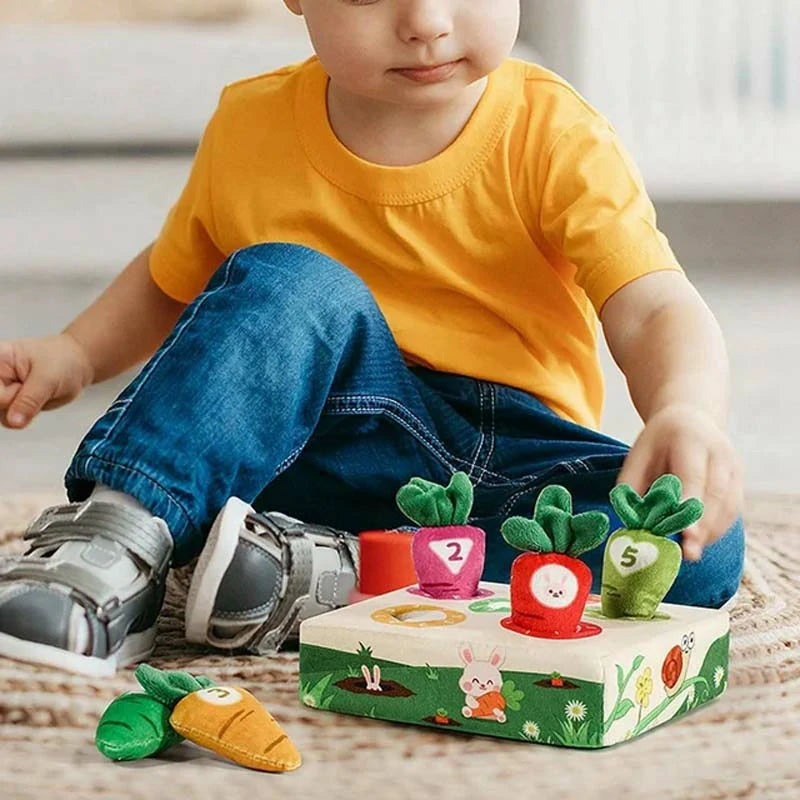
[[456, 554]]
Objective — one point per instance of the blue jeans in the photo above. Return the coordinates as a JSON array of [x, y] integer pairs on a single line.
[[281, 384]]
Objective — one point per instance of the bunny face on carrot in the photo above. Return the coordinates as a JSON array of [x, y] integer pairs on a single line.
[[482, 683], [554, 586]]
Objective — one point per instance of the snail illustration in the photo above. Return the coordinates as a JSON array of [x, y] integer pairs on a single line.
[[676, 664]]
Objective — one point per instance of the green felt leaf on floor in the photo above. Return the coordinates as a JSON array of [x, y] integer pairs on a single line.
[[135, 726]]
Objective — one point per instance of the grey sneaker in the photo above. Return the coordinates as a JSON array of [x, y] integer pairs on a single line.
[[86, 595], [261, 574]]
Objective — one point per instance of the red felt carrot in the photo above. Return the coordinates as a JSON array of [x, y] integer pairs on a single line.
[[550, 586]]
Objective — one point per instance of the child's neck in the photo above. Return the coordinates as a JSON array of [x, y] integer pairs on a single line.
[[394, 135]]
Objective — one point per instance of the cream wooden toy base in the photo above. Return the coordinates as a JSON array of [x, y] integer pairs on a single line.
[[451, 664]]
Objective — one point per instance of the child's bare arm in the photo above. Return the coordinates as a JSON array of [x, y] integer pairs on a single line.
[[123, 326], [127, 323], [669, 346]]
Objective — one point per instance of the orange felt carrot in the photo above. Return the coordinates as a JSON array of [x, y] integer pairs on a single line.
[[226, 719], [231, 722]]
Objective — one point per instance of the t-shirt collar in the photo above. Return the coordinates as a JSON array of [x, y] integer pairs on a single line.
[[402, 185]]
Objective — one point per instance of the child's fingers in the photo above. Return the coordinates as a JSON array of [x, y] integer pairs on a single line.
[[719, 498], [691, 467], [7, 392], [30, 398], [637, 469], [693, 541]]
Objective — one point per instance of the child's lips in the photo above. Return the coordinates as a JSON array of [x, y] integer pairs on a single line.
[[433, 74]]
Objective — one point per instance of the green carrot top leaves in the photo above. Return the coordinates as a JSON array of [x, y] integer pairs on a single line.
[[554, 528], [430, 505], [169, 687], [660, 511]]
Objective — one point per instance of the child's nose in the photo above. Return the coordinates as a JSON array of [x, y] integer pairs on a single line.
[[425, 21]]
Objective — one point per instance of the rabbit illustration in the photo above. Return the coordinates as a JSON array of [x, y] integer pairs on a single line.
[[481, 682], [374, 680]]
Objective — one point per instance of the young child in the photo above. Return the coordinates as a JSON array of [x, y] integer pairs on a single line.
[[388, 260]]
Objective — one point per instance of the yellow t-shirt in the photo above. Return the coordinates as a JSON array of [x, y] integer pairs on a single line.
[[490, 259]]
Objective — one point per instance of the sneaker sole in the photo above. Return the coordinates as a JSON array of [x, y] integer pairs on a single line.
[[135, 648], [212, 565]]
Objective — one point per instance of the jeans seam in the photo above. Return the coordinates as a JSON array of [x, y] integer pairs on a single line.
[[533, 483], [492, 436], [145, 374], [289, 460], [480, 434], [441, 453], [383, 405]]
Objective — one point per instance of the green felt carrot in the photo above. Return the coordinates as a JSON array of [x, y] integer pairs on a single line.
[[640, 562]]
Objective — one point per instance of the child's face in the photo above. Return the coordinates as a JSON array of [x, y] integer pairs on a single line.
[[361, 43]]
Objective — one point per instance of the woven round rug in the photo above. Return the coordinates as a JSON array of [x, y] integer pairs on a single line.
[[744, 745]]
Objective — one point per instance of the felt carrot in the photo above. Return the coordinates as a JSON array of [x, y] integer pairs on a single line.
[[448, 554], [228, 720], [550, 586], [135, 726], [640, 562]]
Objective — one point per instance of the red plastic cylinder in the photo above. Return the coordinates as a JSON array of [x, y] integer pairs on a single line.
[[385, 561]]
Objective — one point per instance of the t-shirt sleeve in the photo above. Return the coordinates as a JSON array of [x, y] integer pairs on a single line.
[[186, 253], [595, 210]]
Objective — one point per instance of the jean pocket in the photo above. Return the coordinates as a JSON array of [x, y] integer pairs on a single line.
[[354, 405]]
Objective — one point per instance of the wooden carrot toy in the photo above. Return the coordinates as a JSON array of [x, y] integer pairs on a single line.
[[228, 720]]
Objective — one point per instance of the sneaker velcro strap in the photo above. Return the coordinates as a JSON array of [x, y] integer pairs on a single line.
[[270, 636], [351, 543], [138, 532], [102, 597]]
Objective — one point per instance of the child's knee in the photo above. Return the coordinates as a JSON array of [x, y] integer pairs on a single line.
[[282, 277]]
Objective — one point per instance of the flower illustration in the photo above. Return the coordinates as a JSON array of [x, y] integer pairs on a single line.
[[530, 730], [575, 710], [719, 676], [644, 687]]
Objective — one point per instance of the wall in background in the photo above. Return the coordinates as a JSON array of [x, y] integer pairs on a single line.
[[134, 10], [706, 94]]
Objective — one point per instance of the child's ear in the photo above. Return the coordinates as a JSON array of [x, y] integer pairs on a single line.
[[294, 7]]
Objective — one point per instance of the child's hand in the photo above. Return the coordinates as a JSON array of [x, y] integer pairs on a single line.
[[38, 374], [689, 443]]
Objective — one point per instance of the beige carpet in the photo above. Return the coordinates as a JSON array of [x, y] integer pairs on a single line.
[[746, 745]]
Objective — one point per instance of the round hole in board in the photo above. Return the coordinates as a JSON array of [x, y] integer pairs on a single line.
[[438, 615], [418, 616]]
